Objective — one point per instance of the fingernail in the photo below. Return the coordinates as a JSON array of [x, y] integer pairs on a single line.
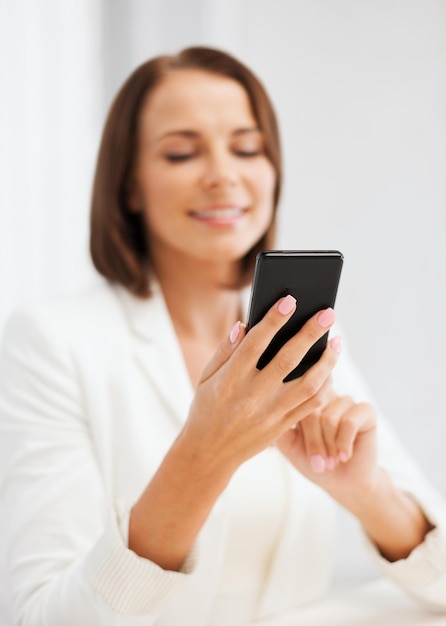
[[326, 318], [343, 457], [331, 462], [317, 462], [287, 304], [336, 343], [235, 332]]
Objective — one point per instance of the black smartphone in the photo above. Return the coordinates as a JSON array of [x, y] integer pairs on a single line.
[[312, 277]]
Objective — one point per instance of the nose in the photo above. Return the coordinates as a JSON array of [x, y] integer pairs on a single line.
[[221, 170]]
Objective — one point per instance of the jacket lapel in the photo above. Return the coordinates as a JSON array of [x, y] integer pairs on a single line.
[[157, 349]]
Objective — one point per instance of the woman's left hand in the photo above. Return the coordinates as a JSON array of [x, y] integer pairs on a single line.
[[335, 448]]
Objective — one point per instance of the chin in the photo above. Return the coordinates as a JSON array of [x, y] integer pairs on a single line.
[[226, 254]]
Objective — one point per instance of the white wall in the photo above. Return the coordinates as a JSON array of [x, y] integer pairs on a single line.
[[51, 106]]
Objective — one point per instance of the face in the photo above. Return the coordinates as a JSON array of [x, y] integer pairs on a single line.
[[202, 179]]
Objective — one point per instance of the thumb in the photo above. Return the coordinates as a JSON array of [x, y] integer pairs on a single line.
[[224, 351]]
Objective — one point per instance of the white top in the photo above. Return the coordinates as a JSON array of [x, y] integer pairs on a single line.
[[93, 390], [256, 502], [373, 603]]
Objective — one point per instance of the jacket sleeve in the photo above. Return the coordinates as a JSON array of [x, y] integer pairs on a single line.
[[423, 573], [61, 544]]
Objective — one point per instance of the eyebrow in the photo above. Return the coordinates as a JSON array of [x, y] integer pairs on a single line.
[[192, 134]]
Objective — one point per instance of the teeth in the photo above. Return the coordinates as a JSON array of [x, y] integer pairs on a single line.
[[219, 214]]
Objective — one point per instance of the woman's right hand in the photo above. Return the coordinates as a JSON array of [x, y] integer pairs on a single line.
[[239, 410]]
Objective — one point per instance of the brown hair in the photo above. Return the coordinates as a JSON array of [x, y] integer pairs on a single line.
[[118, 243]]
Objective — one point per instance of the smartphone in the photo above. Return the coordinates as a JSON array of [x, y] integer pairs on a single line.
[[312, 277]]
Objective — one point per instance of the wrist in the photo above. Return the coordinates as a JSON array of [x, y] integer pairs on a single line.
[[369, 493], [391, 518], [169, 514], [202, 467]]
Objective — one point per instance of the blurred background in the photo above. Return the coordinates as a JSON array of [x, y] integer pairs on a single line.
[[360, 88]]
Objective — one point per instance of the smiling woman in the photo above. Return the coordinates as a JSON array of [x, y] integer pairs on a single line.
[[207, 114], [151, 473], [201, 178]]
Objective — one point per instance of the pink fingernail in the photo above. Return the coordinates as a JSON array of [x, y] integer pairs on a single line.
[[343, 457], [235, 332], [318, 464], [287, 304], [331, 462], [336, 343], [326, 318]]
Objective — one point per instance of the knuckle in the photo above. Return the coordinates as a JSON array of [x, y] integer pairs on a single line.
[[310, 385], [318, 402], [285, 363], [365, 415], [271, 322], [311, 421], [250, 346], [366, 408], [329, 358], [346, 430], [346, 400], [313, 330], [329, 421]]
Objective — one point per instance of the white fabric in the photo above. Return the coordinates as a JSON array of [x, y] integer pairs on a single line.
[[93, 390], [256, 502], [375, 603]]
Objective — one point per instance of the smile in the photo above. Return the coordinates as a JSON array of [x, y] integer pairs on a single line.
[[223, 213]]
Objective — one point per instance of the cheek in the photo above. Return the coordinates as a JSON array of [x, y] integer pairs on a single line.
[[265, 183], [163, 189]]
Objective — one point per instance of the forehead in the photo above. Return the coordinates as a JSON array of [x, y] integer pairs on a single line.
[[192, 98]]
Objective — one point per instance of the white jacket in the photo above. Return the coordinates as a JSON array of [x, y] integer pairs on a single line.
[[93, 390]]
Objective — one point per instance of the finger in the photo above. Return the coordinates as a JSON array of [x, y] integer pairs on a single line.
[[311, 406], [291, 443], [330, 419], [259, 336], [298, 391], [224, 351], [358, 419], [294, 350], [314, 442]]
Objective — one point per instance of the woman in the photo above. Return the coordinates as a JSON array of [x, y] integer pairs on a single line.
[[151, 474]]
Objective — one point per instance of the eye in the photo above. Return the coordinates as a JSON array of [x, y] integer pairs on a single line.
[[248, 146], [248, 153], [179, 158]]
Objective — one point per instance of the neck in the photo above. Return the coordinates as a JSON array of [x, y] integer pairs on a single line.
[[202, 304]]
